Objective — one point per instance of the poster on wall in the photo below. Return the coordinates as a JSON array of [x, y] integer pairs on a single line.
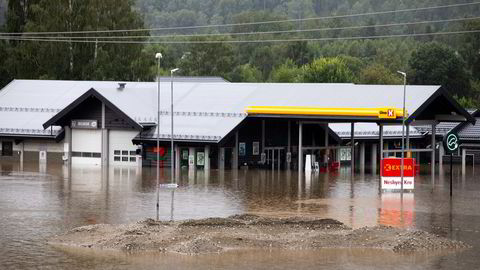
[[242, 149], [201, 158], [256, 148], [191, 160], [345, 154], [185, 154]]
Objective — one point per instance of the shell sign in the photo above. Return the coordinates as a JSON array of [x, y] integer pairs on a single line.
[[391, 173]]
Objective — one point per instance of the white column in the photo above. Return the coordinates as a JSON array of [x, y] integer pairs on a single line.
[[235, 152], [441, 153], [177, 161], [221, 158], [325, 157], [191, 155], [362, 157], [300, 151], [352, 146], [263, 136], [434, 127], [207, 158], [374, 158], [67, 148], [289, 144], [380, 134], [22, 153], [464, 157], [105, 147]]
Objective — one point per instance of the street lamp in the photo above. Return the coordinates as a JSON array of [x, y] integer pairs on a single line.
[[158, 56], [172, 161], [403, 127], [171, 112]]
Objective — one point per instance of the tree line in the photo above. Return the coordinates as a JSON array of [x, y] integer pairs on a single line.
[[449, 60]]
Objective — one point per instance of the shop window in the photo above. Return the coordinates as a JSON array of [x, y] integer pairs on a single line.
[[7, 149]]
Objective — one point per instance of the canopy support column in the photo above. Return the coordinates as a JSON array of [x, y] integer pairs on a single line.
[[325, 157], [352, 145], [300, 151], [434, 131], [380, 133]]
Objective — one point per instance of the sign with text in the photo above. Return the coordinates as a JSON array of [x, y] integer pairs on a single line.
[[84, 124], [391, 173]]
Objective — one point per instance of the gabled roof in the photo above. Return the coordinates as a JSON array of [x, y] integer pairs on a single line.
[[439, 106], [90, 93], [467, 132]]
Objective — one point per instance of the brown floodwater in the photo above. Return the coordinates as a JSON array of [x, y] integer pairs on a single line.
[[37, 203]]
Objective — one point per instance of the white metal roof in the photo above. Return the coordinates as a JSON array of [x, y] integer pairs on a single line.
[[203, 110]]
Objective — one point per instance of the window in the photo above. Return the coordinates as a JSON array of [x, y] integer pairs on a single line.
[[86, 154], [124, 156], [7, 149]]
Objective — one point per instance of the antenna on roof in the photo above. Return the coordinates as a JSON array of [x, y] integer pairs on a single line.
[[121, 86]]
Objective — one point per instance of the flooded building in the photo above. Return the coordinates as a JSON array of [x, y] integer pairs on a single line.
[[217, 124]]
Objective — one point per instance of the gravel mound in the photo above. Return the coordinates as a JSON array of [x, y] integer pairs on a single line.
[[215, 235]]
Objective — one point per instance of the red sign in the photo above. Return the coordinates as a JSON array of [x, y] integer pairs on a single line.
[[391, 167]]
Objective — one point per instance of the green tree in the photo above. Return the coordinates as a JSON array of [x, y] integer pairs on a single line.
[[437, 64], [327, 70], [378, 74], [246, 73], [70, 60], [288, 72]]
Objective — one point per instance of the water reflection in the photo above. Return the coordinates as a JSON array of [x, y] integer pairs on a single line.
[[40, 202]]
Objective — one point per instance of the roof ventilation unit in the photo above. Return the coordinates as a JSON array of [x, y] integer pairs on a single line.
[[121, 86]]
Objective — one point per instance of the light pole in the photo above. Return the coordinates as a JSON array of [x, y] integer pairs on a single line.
[[171, 137], [403, 126], [158, 56]]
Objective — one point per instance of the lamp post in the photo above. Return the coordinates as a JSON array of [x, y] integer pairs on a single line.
[[158, 56], [403, 127], [171, 137]]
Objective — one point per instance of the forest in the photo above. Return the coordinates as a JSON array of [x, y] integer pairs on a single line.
[[335, 41]]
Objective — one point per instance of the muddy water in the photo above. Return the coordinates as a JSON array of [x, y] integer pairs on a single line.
[[40, 202]]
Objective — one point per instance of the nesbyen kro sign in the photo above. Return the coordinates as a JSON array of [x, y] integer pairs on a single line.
[[391, 173]]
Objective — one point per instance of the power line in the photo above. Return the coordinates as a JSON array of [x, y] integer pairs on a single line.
[[242, 41], [266, 32], [246, 23]]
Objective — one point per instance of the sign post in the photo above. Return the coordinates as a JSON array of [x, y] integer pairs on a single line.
[[450, 143]]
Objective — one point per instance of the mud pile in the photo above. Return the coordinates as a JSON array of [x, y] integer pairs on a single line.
[[241, 232]]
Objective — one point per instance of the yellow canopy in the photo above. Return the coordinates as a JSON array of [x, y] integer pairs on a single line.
[[381, 113]]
